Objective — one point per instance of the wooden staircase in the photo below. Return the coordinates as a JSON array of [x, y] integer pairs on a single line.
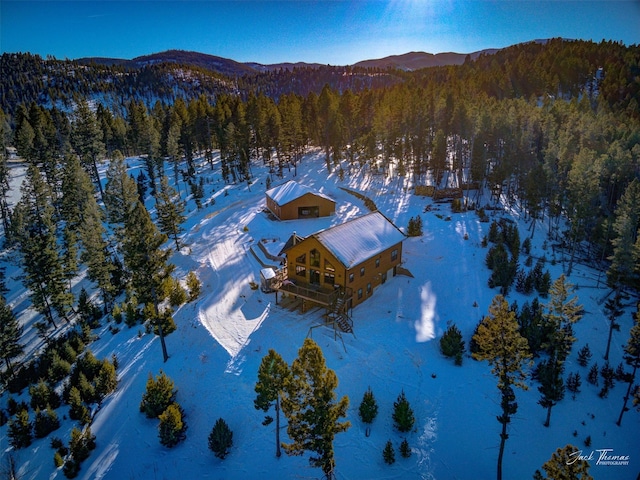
[[338, 314]]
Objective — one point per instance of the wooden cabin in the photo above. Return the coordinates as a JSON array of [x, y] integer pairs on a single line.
[[291, 201], [347, 261]]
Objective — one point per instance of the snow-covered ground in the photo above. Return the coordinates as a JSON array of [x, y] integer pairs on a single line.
[[222, 337]]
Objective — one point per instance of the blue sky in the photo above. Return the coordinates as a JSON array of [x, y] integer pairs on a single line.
[[330, 32]]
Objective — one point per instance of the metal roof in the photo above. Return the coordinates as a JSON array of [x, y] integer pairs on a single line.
[[357, 240]]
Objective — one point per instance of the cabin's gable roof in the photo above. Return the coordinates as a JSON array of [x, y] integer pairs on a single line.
[[357, 240], [290, 191]]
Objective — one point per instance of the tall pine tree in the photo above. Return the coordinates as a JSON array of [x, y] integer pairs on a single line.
[[170, 210], [273, 373], [310, 406], [632, 358], [499, 342], [10, 334], [147, 263]]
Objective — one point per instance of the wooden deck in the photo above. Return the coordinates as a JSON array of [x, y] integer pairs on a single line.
[[311, 294]]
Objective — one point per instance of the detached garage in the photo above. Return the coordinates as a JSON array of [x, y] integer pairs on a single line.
[[292, 201]]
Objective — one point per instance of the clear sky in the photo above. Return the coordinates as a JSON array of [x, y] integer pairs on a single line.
[[335, 32]]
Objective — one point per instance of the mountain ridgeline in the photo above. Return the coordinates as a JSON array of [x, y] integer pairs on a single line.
[[538, 68]]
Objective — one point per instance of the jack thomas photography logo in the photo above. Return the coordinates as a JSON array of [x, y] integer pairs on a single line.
[[601, 457]]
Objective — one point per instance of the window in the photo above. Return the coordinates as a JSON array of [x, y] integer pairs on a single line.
[[302, 258], [362, 272], [368, 289], [394, 255], [351, 278], [314, 277], [359, 293], [328, 266], [329, 278], [377, 263], [314, 258], [301, 271]]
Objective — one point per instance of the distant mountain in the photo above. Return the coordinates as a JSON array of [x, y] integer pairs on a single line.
[[259, 67], [224, 66], [416, 60]]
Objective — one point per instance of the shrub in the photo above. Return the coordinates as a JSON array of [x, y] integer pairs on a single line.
[[159, 395], [403, 417], [172, 428], [220, 439], [451, 343], [414, 229], [194, 286]]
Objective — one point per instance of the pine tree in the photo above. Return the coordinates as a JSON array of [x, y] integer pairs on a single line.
[[573, 384], [78, 410], [160, 393], [451, 343], [613, 308], [405, 450], [607, 375], [171, 429], [36, 236], [88, 142], [368, 409], [584, 355], [631, 358], [147, 263], [403, 417], [46, 421], [389, 453], [81, 444], [273, 374], [624, 260], [551, 385], [170, 210], [19, 431], [121, 195], [564, 464], [10, 335], [500, 343], [220, 439], [592, 377], [310, 407]]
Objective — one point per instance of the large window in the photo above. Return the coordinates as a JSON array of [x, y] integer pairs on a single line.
[[328, 266], [301, 271], [329, 278], [314, 258], [302, 258]]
